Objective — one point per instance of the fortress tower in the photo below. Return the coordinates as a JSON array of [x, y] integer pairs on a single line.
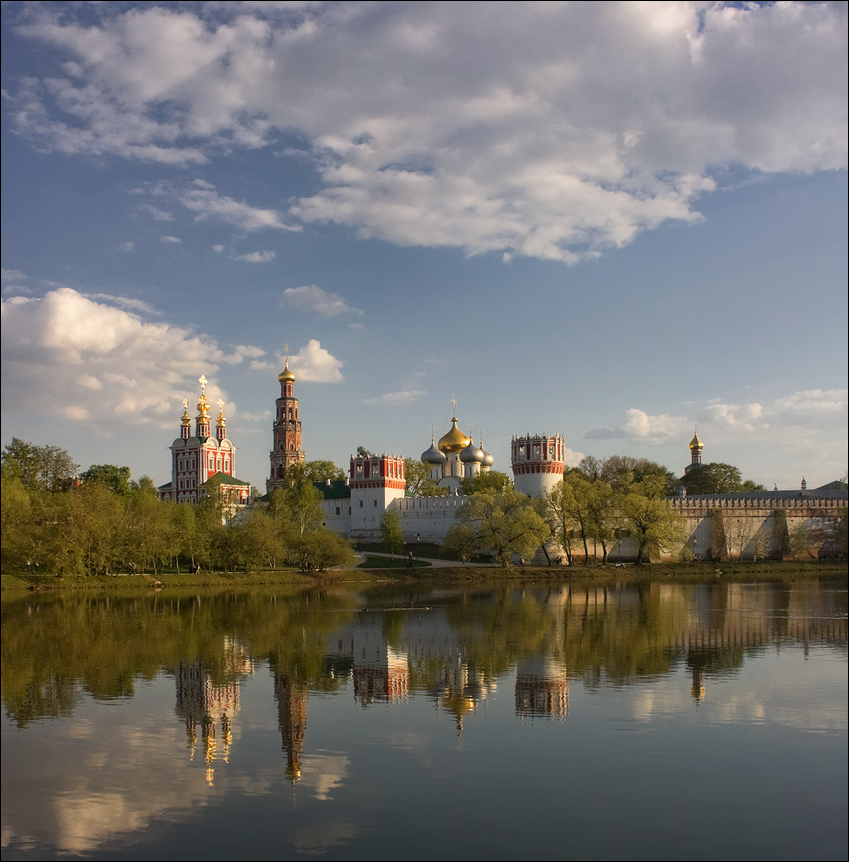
[[375, 481], [537, 462], [287, 432]]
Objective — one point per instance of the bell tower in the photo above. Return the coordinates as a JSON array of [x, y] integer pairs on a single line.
[[287, 431]]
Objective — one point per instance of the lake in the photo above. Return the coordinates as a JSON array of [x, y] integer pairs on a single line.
[[535, 721]]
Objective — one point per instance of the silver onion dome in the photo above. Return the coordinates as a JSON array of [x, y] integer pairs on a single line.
[[433, 455], [472, 455]]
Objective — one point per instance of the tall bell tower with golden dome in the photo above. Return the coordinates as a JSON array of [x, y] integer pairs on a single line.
[[287, 431]]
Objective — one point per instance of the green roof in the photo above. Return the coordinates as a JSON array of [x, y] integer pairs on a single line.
[[336, 490], [224, 479]]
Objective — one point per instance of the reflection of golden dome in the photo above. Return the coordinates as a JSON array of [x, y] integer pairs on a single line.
[[695, 443], [455, 440]]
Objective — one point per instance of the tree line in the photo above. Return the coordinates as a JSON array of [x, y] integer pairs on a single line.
[[100, 521]]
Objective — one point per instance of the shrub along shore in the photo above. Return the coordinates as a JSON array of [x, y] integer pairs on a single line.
[[693, 572]]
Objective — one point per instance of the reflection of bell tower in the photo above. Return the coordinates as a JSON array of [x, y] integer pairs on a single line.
[[292, 720], [542, 689], [287, 431]]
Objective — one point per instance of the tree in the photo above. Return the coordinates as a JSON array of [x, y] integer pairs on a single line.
[[713, 478], [419, 482], [362, 452], [313, 471], [391, 532], [622, 471], [145, 486], [117, 479], [649, 520], [559, 504], [501, 524], [490, 480], [44, 468]]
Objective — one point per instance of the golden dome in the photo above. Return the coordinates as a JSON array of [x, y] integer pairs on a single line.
[[455, 440], [695, 443], [285, 375]]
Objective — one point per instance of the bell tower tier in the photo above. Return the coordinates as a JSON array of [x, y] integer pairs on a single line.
[[287, 432]]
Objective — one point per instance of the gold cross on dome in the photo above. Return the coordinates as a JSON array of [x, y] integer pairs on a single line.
[[203, 381]]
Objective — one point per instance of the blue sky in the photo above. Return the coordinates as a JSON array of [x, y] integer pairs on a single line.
[[610, 221]]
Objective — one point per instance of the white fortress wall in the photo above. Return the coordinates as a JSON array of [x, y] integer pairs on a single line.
[[427, 518]]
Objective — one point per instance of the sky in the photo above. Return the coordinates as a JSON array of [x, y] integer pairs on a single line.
[[611, 221]]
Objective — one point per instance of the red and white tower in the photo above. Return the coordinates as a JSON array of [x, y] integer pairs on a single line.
[[538, 463], [287, 432], [375, 481]]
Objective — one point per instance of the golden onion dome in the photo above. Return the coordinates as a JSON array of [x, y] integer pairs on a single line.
[[455, 440], [286, 375], [695, 443]]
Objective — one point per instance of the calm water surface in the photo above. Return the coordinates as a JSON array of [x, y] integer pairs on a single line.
[[544, 722]]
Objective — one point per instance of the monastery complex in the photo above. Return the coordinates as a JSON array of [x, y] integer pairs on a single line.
[[746, 525]]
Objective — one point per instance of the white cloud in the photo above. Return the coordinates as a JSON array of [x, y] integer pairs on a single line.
[[128, 245], [314, 364], [12, 275], [202, 198], [218, 248], [638, 424], [313, 298], [170, 239], [158, 214], [397, 399], [242, 352], [541, 129], [124, 302], [257, 256], [67, 355]]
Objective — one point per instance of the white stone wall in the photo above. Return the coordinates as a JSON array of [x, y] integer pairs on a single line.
[[427, 518]]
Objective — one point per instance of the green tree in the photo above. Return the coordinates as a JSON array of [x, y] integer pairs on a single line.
[[649, 520], [559, 504], [362, 452], [490, 480], [46, 468], [419, 482], [116, 479], [622, 471], [713, 478], [500, 524], [391, 532], [313, 471]]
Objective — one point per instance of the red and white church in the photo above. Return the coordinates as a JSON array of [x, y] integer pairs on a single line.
[[203, 464]]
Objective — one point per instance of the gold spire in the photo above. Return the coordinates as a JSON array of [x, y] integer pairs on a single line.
[[455, 440], [221, 420], [186, 420], [695, 443], [203, 404], [285, 375]]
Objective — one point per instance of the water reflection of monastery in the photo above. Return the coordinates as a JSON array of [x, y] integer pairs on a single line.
[[207, 706], [621, 634]]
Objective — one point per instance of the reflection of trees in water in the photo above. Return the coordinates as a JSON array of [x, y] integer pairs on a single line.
[[56, 647]]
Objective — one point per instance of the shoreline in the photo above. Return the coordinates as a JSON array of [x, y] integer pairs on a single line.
[[687, 572]]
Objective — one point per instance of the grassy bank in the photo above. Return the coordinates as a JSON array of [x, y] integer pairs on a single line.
[[379, 568]]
